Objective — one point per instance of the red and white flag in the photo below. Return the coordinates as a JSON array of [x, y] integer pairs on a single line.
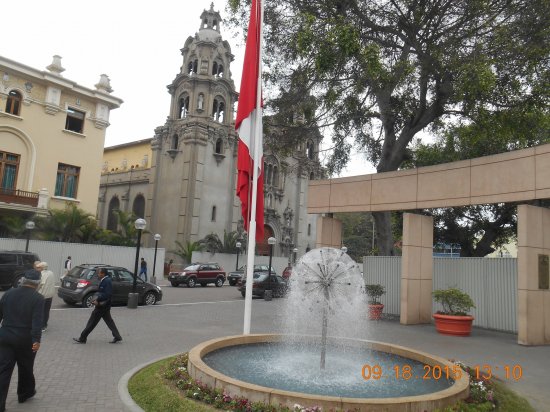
[[249, 127]]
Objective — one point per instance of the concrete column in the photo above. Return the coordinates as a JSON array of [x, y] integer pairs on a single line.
[[417, 269], [533, 275], [329, 232]]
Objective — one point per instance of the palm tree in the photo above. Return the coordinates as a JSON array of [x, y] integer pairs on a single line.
[[213, 244], [12, 226], [67, 225], [186, 251]]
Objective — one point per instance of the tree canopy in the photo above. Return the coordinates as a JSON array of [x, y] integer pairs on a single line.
[[377, 73]]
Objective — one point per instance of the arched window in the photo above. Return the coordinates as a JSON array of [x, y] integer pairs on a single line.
[[139, 206], [219, 146], [218, 110], [205, 24], [265, 173], [215, 69], [13, 105], [310, 150], [215, 25], [183, 110], [270, 201], [175, 142], [269, 174], [112, 218], [193, 66], [213, 213], [220, 70]]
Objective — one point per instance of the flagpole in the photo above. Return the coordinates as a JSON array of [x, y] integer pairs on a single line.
[[256, 169]]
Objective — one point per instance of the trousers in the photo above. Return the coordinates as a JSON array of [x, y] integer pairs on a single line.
[[16, 347], [100, 312], [47, 307]]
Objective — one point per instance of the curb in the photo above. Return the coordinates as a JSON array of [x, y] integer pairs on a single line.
[[122, 386]]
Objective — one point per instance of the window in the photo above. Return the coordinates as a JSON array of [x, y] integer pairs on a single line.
[[9, 165], [139, 206], [218, 110], [174, 142], [192, 67], [183, 107], [13, 105], [310, 150], [219, 146], [66, 184], [217, 69], [75, 120], [213, 213], [309, 229], [112, 218]]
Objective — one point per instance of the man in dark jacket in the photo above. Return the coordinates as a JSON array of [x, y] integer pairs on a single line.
[[102, 310], [21, 311]]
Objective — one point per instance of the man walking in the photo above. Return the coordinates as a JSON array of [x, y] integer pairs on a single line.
[[102, 310], [46, 289], [21, 312], [143, 270], [67, 266]]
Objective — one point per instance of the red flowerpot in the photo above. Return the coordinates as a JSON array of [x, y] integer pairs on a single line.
[[375, 311], [453, 325]]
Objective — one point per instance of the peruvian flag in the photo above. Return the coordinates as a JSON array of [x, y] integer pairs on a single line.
[[249, 127]]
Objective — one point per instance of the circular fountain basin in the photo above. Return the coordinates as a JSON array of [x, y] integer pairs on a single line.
[[421, 392]]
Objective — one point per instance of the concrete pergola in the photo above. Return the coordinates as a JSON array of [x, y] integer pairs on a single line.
[[518, 176]]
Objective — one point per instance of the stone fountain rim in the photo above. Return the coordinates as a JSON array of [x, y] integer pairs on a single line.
[[199, 370]]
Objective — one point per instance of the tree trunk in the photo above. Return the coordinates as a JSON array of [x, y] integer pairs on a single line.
[[384, 237]]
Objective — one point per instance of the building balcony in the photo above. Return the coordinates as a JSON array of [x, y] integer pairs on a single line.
[[19, 197]]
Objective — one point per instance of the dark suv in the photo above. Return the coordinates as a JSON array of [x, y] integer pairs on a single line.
[[80, 285], [234, 277], [13, 263], [202, 273]]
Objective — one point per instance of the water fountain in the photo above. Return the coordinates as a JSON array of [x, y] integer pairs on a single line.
[[327, 370]]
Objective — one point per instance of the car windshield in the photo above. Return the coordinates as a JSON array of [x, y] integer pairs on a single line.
[[192, 267], [260, 277]]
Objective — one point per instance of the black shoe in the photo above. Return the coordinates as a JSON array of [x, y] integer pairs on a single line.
[[115, 340], [23, 398], [78, 340]]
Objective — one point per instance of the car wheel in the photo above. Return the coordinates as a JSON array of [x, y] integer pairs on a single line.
[[204, 284], [174, 284], [87, 301], [17, 281], [243, 293], [191, 283], [150, 298], [232, 282], [219, 282]]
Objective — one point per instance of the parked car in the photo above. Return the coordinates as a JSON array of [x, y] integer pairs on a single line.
[[201, 273], [13, 263], [79, 286], [234, 277], [263, 281]]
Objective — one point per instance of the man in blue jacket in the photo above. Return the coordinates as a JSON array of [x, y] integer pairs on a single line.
[[102, 310], [21, 311]]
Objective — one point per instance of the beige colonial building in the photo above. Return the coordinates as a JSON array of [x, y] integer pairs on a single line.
[[183, 179], [52, 134]]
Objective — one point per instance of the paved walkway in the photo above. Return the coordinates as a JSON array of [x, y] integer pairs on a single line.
[[72, 377]]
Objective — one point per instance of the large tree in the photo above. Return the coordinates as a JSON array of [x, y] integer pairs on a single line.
[[382, 71]]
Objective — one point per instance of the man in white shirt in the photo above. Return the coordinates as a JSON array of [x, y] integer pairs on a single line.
[[46, 289]]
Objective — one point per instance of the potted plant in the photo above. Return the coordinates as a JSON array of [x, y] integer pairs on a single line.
[[375, 306], [454, 318]]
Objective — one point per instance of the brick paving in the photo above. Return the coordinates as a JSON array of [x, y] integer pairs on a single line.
[[72, 377]]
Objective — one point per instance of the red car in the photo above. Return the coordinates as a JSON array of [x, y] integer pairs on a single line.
[[287, 272]]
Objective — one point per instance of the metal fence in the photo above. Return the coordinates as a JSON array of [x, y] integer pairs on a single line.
[[492, 284], [55, 254]]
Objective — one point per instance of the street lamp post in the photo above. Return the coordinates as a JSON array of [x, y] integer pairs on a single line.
[[238, 245], [295, 251], [139, 224], [268, 294], [29, 226], [157, 238]]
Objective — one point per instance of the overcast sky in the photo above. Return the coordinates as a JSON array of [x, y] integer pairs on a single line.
[[137, 46]]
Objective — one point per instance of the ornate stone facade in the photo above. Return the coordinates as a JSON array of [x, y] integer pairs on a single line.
[[192, 178]]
